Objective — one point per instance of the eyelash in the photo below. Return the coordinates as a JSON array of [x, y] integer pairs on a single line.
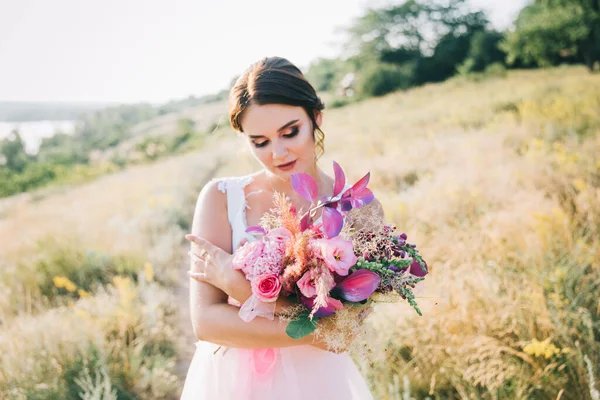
[[290, 135]]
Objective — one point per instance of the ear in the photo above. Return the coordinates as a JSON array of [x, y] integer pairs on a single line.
[[318, 117]]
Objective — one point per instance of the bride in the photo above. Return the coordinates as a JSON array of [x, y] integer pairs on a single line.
[[279, 113]]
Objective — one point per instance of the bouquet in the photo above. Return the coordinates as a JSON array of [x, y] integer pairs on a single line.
[[344, 261]]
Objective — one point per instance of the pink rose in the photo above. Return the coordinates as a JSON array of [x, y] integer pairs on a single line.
[[245, 257], [280, 235], [306, 284], [338, 254], [266, 287]]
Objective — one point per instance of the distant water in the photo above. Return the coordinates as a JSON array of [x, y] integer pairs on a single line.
[[33, 132]]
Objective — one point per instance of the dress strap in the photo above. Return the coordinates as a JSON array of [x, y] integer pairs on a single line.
[[236, 198], [236, 204]]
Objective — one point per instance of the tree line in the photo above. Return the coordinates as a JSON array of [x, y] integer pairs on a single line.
[[418, 41], [395, 47]]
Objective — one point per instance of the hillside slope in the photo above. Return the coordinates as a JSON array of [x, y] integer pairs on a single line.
[[497, 181]]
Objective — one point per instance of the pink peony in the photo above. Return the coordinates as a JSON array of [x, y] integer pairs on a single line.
[[280, 235], [338, 254], [246, 256], [306, 284], [266, 287], [269, 261]]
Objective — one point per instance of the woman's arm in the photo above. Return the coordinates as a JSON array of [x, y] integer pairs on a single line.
[[213, 320], [222, 325]]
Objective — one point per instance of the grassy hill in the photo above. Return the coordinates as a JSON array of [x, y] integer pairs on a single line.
[[497, 180]]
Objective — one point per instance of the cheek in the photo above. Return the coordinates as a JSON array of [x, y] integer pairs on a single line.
[[263, 155], [304, 143]]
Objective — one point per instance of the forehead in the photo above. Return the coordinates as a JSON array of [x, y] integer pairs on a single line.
[[268, 118]]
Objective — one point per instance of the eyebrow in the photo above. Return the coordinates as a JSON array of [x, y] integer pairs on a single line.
[[278, 130]]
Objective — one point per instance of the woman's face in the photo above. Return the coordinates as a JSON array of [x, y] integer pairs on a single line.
[[281, 138]]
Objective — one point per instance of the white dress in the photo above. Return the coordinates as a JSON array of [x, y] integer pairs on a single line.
[[288, 373]]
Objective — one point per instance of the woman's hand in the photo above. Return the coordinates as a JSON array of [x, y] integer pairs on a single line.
[[211, 264]]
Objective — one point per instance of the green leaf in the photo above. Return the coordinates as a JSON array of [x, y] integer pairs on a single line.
[[301, 326], [360, 304]]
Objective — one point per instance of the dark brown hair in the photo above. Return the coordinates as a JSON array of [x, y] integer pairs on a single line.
[[275, 80]]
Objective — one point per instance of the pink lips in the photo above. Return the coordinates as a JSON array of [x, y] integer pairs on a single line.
[[288, 166]]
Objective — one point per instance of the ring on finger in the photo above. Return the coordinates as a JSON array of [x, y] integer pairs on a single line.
[[200, 256], [197, 260]]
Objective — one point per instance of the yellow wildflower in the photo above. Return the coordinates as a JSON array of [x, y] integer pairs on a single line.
[[544, 348], [65, 283]]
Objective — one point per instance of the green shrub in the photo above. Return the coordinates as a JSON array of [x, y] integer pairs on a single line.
[[380, 79]]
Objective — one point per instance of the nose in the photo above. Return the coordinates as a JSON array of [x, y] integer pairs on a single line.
[[279, 150]]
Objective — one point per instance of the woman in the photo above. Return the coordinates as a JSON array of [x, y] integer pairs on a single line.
[[279, 113]]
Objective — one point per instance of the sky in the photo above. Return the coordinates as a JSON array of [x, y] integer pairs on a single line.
[[160, 50]]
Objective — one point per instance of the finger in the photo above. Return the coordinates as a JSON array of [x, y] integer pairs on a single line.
[[197, 240], [199, 276], [198, 262], [204, 244], [202, 254], [194, 256]]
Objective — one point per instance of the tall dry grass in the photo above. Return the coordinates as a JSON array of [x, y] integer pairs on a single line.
[[497, 181], [507, 213]]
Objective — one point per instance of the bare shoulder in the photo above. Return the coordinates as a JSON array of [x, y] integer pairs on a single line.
[[211, 197], [210, 215]]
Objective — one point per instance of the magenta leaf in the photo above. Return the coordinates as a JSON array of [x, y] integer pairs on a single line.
[[358, 195], [346, 204], [358, 286], [332, 222], [362, 183], [332, 305], [340, 179], [362, 197], [256, 229], [305, 222], [305, 186]]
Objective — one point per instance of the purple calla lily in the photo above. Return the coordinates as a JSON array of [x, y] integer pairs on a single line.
[[332, 305], [416, 269], [305, 186], [358, 286]]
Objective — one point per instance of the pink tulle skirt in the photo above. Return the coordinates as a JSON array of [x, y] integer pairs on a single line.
[[290, 373]]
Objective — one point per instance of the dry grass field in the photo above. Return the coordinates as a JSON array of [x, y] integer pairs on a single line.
[[497, 180]]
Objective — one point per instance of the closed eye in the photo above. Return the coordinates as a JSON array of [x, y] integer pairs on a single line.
[[261, 144], [290, 135], [293, 133]]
